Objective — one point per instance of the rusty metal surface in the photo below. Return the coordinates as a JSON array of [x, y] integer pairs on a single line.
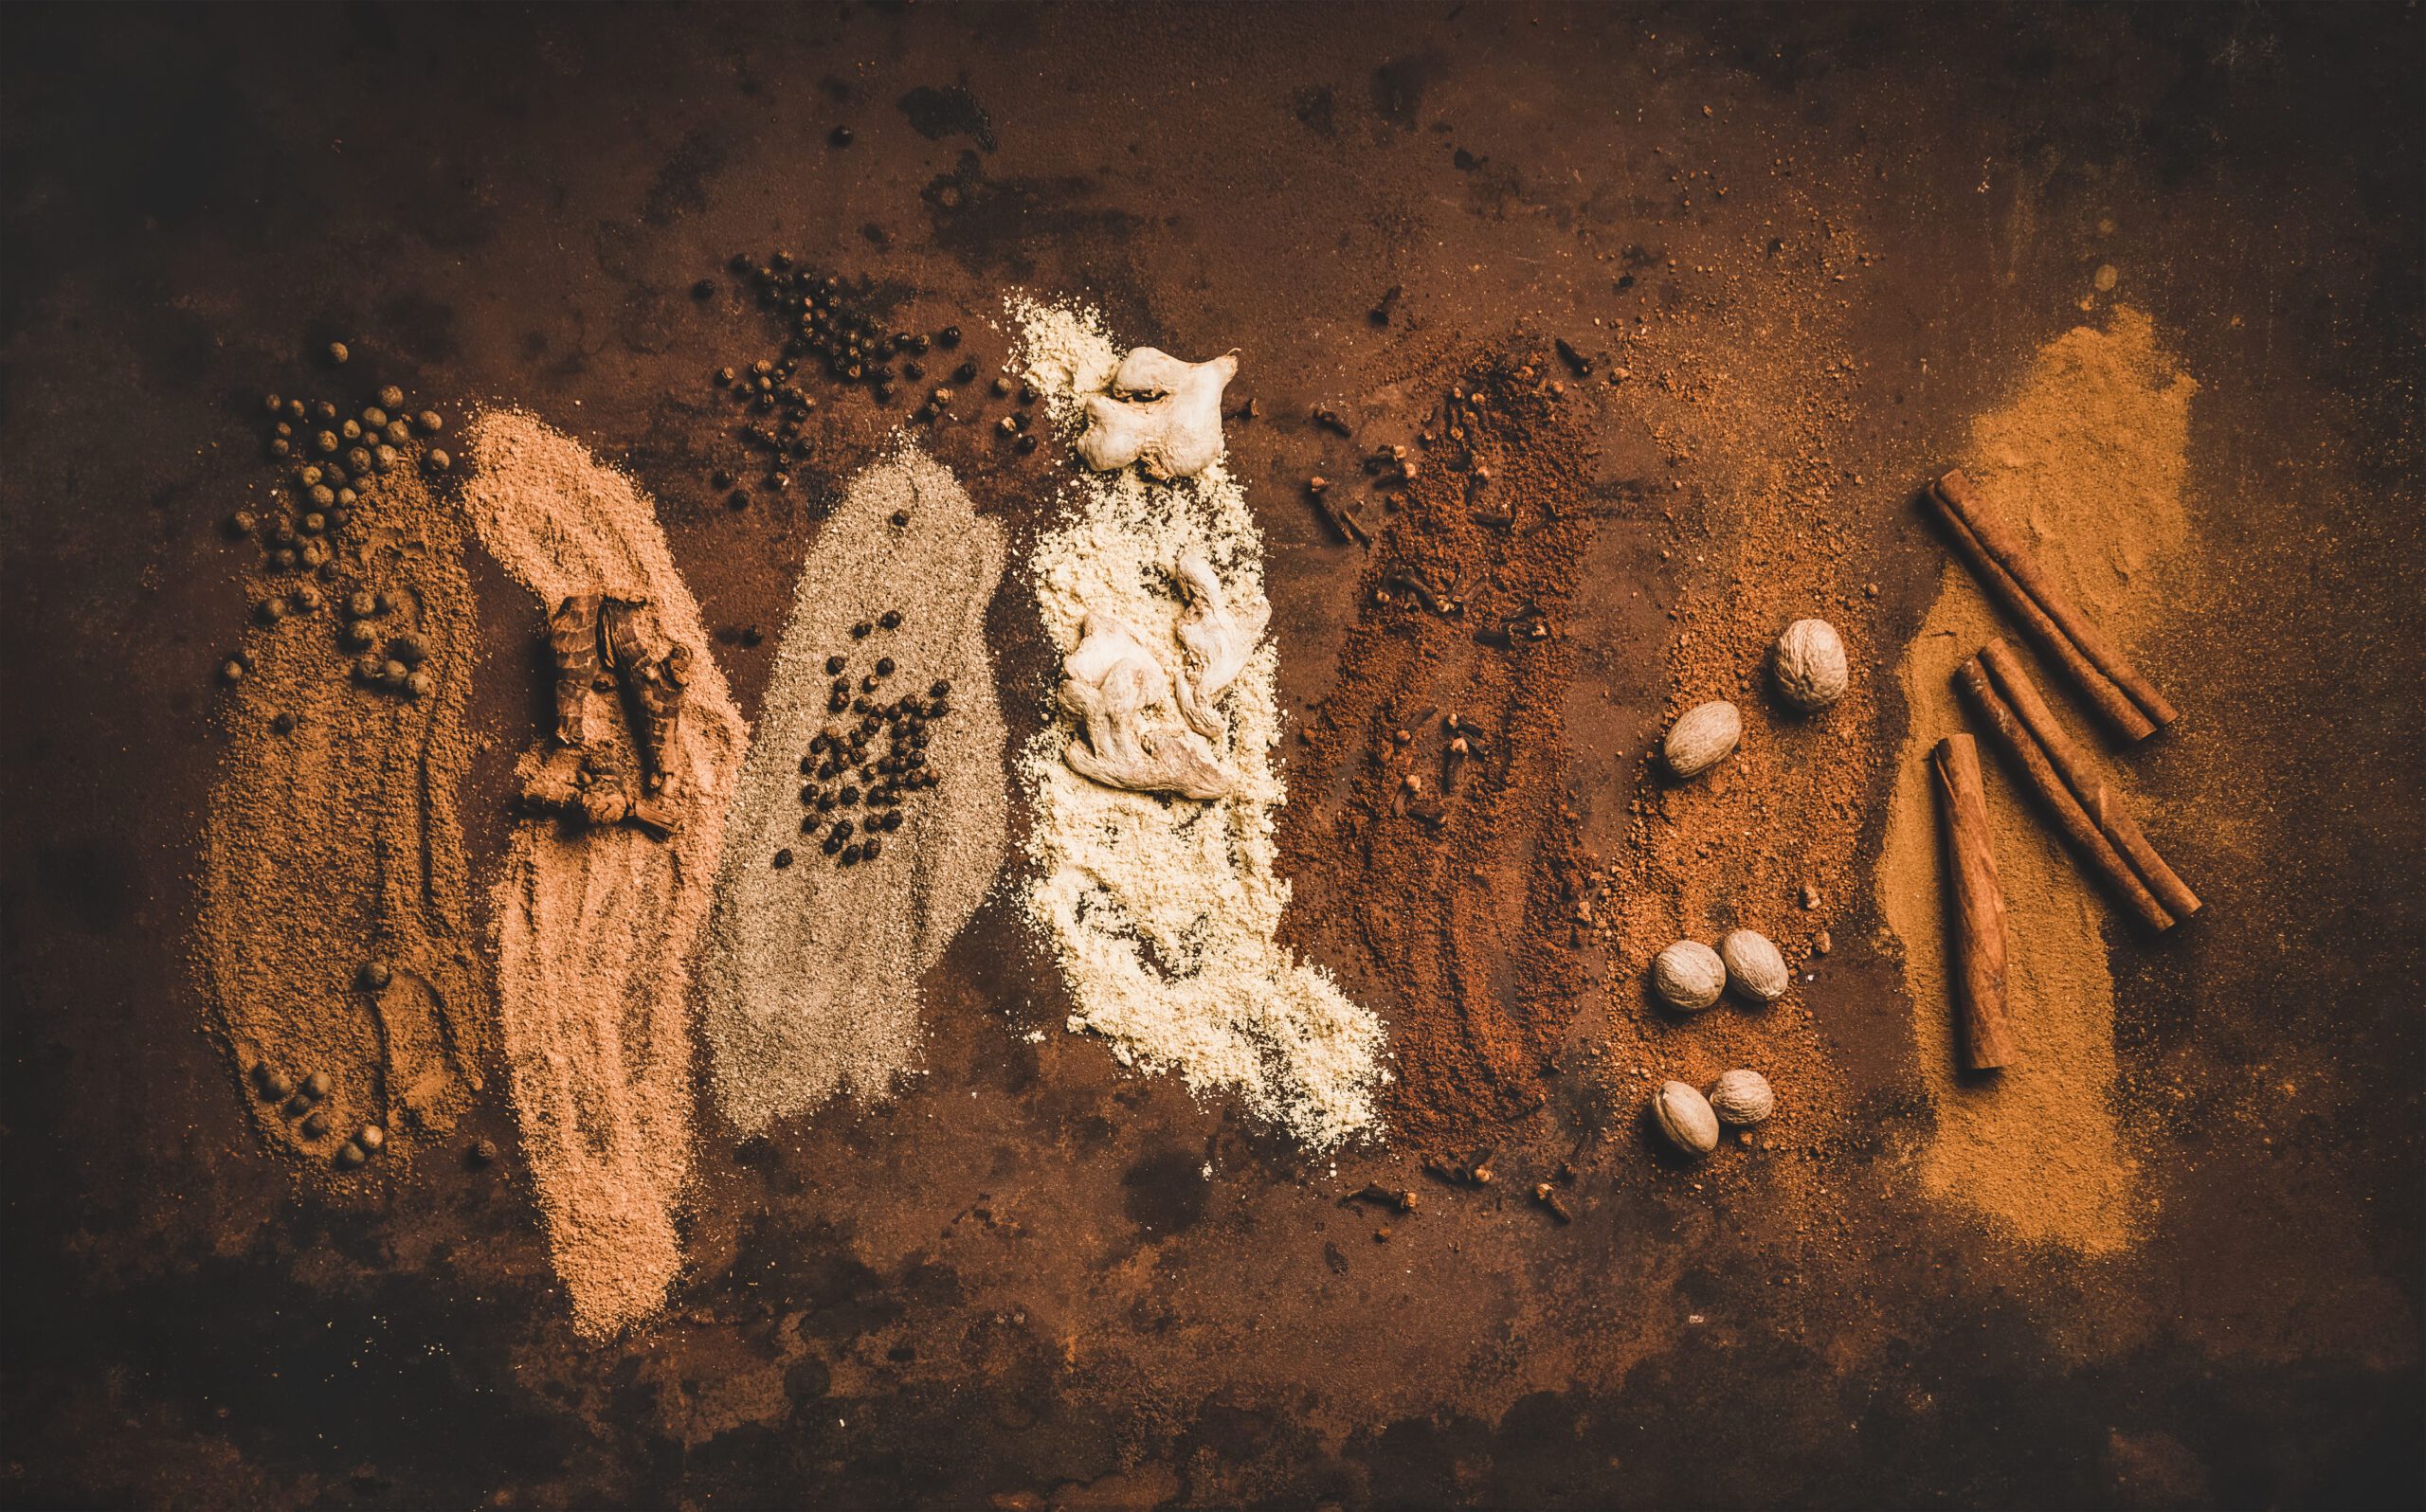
[[1017, 1280]]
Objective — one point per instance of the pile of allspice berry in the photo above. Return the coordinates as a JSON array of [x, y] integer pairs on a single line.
[[336, 461], [860, 770]]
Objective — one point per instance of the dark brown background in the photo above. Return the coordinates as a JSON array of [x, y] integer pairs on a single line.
[[1015, 1279]]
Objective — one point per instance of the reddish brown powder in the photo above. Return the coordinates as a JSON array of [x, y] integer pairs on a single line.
[[1449, 908]]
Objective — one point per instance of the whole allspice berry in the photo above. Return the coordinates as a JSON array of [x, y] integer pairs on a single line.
[[1808, 664], [1685, 1117], [1754, 967], [1688, 976], [1701, 738], [1742, 1098]]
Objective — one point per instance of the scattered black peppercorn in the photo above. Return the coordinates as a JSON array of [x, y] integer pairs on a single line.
[[861, 630], [834, 666], [900, 517], [783, 859], [884, 666], [890, 619]]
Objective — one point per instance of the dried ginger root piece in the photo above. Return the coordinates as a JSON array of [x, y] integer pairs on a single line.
[[1107, 683], [1175, 431], [1215, 642]]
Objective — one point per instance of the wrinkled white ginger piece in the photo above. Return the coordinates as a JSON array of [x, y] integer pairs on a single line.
[[1107, 684], [1175, 431], [1215, 642]]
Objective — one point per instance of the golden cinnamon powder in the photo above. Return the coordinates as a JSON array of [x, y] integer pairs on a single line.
[[2088, 461]]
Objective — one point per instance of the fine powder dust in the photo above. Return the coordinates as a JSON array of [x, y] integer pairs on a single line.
[[341, 842], [1459, 907], [1162, 911], [2088, 461], [596, 927], [811, 976]]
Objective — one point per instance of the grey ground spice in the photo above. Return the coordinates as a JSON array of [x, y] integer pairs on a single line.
[[812, 976]]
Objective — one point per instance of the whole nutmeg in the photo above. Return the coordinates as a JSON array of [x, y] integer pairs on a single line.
[[1701, 737], [1685, 1117], [1688, 976], [1809, 665], [1754, 965], [1742, 1098]]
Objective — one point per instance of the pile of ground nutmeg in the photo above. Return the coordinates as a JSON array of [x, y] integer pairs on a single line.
[[1435, 858]]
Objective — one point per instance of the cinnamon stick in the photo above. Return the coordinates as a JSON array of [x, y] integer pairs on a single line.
[[2098, 798], [2126, 700], [2005, 726], [1979, 901]]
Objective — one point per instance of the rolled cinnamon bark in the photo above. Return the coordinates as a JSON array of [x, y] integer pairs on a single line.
[[2126, 700], [1978, 954], [2097, 797], [2005, 726]]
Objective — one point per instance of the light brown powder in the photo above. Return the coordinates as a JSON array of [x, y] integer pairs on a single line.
[[338, 843], [2088, 460], [596, 927]]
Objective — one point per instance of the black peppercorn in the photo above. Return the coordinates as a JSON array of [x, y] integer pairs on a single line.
[[900, 517], [890, 619], [861, 630], [884, 666], [941, 690], [808, 768], [834, 665], [949, 335], [840, 136], [783, 859]]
